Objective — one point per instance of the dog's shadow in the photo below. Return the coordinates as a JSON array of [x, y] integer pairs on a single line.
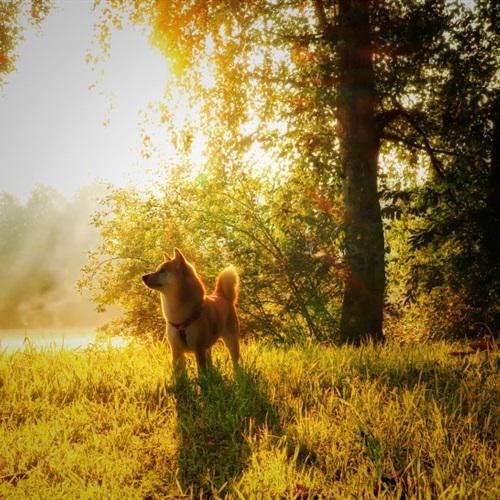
[[215, 416]]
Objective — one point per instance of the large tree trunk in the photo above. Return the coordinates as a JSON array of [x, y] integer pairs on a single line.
[[493, 195], [491, 240], [362, 308]]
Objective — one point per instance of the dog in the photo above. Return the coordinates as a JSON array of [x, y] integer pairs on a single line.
[[194, 320]]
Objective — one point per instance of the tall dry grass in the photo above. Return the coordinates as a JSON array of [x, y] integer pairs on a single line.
[[303, 422]]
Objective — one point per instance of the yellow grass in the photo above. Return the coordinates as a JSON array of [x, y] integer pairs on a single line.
[[300, 422]]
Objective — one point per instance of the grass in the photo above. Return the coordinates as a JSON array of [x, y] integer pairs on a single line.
[[302, 422]]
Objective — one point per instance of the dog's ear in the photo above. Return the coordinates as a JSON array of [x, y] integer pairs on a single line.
[[179, 258], [166, 258]]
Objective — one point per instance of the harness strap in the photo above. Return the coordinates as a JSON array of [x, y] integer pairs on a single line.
[[181, 327]]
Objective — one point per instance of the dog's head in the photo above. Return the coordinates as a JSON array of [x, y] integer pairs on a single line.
[[168, 273]]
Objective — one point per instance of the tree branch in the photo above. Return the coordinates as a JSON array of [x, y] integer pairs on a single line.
[[320, 15], [386, 117], [305, 38], [325, 26], [393, 137]]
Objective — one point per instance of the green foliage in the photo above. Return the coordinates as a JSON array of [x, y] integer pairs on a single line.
[[261, 81], [447, 270], [261, 78], [327, 422], [9, 11], [277, 232], [13, 17]]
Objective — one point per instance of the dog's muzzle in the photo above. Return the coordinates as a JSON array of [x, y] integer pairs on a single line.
[[149, 281]]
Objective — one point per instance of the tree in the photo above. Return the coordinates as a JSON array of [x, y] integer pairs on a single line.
[[325, 88], [364, 289], [231, 36], [452, 219], [11, 13]]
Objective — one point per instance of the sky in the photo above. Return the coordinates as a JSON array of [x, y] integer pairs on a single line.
[[58, 131]]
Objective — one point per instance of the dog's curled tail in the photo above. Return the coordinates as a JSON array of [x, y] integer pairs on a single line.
[[227, 284]]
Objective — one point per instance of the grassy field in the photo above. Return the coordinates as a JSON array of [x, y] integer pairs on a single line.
[[303, 422]]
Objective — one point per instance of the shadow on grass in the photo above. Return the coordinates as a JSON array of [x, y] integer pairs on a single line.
[[215, 417], [458, 388]]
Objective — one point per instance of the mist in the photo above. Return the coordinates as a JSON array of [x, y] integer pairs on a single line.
[[43, 245]]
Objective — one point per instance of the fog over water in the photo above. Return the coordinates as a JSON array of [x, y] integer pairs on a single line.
[[43, 247], [55, 338]]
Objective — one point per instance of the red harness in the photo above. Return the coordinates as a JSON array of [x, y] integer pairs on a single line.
[[181, 327]]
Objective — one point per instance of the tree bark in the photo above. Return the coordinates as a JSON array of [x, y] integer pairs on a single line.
[[493, 194], [491, 241], [362, 309]]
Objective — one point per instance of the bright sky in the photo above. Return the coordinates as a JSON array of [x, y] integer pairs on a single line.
[[52, 124]]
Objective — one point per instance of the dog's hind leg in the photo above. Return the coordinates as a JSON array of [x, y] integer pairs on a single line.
[[233, 344], [231, 337]]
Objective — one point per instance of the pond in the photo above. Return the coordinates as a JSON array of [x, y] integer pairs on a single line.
[[58, 338]]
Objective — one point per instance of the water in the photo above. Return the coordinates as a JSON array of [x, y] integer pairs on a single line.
[[59, 338]]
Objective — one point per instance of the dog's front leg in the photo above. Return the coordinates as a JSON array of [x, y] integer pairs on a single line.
[[178, 360], [201, 359], [210, 363]]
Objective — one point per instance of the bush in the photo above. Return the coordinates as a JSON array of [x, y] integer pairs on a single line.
[[280, 233]]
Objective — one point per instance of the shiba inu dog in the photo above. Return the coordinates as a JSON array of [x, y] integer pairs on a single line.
[[195, 320]]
